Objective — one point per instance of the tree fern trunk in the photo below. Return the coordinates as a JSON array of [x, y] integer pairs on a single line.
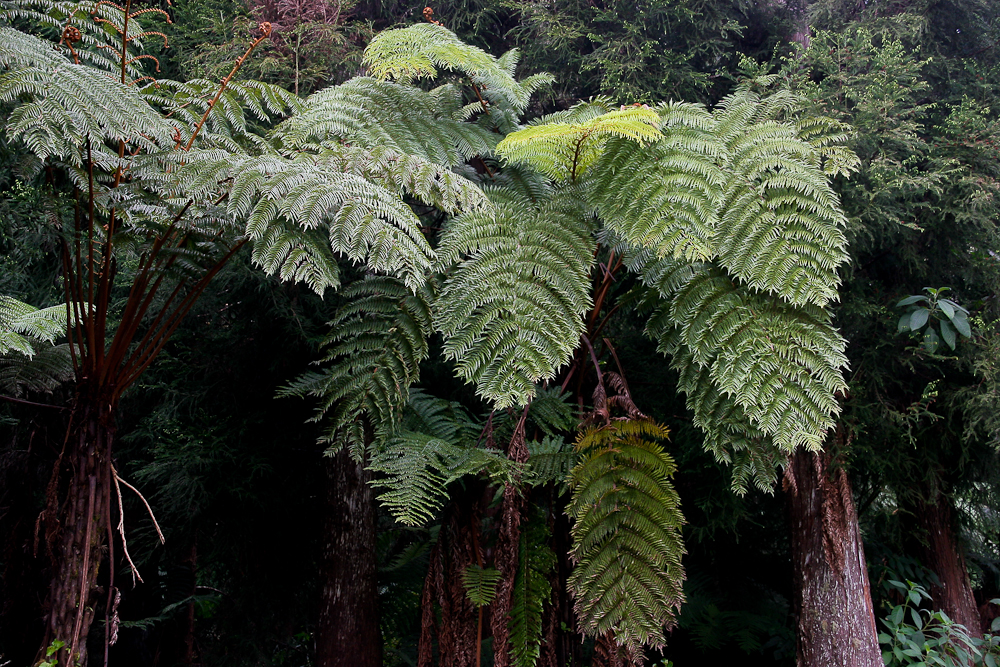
[[940, 553], [836, 625], [76, 527], [348, 633]]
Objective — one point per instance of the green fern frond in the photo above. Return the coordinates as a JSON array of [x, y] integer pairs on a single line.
[[532, 591], [419, 51], [45, 369], [370, 113], [549, 461], [626, 534], [564, 150], [480, 584], [20, 324], [665, 196], [511, 311], [373, 355]]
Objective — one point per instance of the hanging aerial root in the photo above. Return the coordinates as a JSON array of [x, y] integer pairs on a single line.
[[121, 522]]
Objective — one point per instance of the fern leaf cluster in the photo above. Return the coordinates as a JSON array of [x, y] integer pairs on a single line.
[[627, 541], [532, 590], [22, 324], [511, 312], [373, 355]]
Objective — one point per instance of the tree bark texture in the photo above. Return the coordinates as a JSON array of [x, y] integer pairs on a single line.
[[348, 634], [76, 528], [458, 632], [836, 624], [940, 553]]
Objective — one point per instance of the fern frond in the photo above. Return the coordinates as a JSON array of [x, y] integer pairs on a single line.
[[480, 584], [511, 311], [374, 350], [42, 371], [531, 592], [549, 460], [626, 534], [564, 150], [665, 196], [419, 51], [368, 112], [20, 324]]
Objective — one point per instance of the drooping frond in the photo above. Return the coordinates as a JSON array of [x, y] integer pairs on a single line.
[[60, 104], [20, 324], [665, 196], [372, 113], [781, 227], [564, 149], [532, 591], [626, 535], [549, 460], [373, 355], [47, 368], [511, 311], [362, 221], [419, 51], [760, 374]]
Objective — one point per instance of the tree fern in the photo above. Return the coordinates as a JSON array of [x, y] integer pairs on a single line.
[[20, 324], [627, 541]]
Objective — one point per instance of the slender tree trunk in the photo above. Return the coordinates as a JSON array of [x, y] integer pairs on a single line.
[[76, 528], [836, 625], [348, 633], [940, 553]]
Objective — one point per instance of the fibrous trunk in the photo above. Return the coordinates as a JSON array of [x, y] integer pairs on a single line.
[[836, 625], [348, 633], [76, 526], [953, 595]]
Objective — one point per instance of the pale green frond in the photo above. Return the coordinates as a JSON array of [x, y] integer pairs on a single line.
[[667, 195], [564, 150], [419, 51], [626, 535], [511, 310], [21, 323], [370, 113]]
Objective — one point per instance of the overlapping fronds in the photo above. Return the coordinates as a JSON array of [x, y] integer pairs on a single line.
[[626, 534], [532, 591], [549, 460], [665, 196], [563, 148], [363, 221], [419, 51], [61, 104], [760, 374], [511, 311], [373, 355], [21, 324], [368, 112], [44, 370], [186, 103]]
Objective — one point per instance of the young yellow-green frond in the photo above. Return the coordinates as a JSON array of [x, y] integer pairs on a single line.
[[564, 150], [512, 309], [626, 535], [419, 51]]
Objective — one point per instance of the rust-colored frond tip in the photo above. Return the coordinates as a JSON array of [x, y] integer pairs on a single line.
[[429, 16], [265, 28], [71, 34]]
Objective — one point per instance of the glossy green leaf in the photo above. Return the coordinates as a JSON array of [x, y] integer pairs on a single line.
[[961, 323], [904, 323], [948, 333], [910, 300], [918, 318], [931, 340], [947, 308]]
